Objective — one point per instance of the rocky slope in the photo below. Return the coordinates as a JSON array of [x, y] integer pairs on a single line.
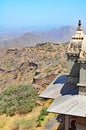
[[38, 65]]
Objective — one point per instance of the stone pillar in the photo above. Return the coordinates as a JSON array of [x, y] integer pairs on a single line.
[[82, 77], [67, 122]]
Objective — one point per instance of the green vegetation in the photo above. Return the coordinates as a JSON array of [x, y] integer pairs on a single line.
[[41, 116], [18, 99]]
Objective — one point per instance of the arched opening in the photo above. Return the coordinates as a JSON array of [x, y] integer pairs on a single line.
[[73, 125]]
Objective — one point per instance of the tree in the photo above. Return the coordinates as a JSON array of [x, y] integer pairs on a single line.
[[18, 99]]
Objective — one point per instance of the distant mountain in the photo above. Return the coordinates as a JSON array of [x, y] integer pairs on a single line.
[[63, 34], [58, 35], [26, 39]]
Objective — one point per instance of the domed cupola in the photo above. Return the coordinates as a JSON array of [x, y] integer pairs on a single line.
[[76, 42]]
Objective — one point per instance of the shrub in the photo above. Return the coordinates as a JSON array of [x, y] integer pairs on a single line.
[[18, 99], [41, 116], [44, 112]]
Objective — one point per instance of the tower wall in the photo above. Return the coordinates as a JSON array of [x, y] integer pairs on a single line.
[[73, 68], [82, 79]]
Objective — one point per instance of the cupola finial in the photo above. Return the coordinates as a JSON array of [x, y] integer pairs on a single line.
[[79, 26]]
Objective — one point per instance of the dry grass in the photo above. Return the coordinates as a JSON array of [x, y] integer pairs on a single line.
[[10, 123]]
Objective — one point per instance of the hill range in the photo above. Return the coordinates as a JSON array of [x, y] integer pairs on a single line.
[[62, 34]]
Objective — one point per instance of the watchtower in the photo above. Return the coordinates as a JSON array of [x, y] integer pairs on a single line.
[[69, 90]]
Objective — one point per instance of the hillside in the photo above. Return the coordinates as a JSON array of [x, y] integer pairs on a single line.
[[27, 65], [38, 66]]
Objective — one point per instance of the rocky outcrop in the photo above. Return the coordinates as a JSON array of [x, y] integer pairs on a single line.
[[45, 80]]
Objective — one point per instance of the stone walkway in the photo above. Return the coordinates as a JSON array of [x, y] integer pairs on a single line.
[[51, 123]]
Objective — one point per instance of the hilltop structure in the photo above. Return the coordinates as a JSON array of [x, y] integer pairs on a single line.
[[69, 90]]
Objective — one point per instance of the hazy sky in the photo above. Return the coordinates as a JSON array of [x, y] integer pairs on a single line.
[[19, 13]]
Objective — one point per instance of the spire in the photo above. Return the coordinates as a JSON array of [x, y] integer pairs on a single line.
[[76, 42], [79, 26], [79, 35]]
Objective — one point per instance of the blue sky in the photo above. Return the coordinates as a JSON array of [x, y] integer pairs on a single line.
[[21, 13]]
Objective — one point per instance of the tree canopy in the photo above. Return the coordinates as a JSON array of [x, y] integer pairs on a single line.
[[19, 99]]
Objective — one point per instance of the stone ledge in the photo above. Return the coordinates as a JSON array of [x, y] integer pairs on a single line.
[[82, 60], [81, 85]]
